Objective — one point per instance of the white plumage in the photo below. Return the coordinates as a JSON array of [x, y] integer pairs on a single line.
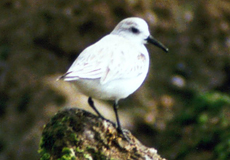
[[116, 65]]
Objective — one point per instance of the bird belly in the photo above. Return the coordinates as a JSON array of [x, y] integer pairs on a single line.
[[113, 90]]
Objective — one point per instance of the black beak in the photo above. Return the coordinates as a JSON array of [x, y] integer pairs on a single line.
[[152, 40]]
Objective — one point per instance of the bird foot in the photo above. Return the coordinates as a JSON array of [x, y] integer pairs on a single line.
[[122, 132]]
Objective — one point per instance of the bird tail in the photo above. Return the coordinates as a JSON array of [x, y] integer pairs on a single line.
[[63, 77]]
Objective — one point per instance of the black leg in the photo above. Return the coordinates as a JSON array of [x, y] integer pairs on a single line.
[[119, 129], [91, 104], [115, 107]]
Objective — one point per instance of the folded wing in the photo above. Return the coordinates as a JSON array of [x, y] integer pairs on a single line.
[[109, 59]]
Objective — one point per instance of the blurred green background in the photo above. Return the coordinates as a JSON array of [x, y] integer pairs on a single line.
[[182, 109]]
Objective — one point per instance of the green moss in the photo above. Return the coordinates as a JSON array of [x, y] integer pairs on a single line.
[[73, 138], [43, 154], [67, 154], [78, 150], [57, 135], [66, 157], [96, 154], [47, 141], [65, 119], [88, 157], [66, 151]]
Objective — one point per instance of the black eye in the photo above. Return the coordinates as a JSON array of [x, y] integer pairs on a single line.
[[135, 30]]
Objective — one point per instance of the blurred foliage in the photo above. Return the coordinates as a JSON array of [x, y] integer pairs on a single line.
[[202, 126], [176, 108]]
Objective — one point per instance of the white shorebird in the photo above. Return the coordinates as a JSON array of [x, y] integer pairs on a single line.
[[115, 66]]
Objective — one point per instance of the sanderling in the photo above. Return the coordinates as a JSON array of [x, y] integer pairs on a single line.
[[115, 66]]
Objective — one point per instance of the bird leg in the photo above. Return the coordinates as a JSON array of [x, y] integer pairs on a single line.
[[119, 129], [91, 104], [115, 107]]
